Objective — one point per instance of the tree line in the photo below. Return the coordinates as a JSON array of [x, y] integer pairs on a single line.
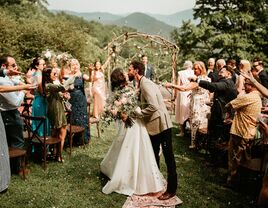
[[225, 29]]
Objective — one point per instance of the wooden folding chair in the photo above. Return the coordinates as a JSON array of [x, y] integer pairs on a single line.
[[44, 141], [72, 130], [19, 153]]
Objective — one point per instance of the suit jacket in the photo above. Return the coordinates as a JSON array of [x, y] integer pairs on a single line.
[[224, 91], [154, 111], [213, 76], [149, 73], [264, 78]]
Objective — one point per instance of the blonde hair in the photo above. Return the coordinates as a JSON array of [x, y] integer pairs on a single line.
[[201, 66], [246, 65], [74, 61]]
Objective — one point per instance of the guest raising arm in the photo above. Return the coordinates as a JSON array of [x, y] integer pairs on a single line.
[[79, 115], [98, 86]]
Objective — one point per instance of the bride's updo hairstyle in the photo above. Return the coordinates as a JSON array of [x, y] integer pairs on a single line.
[[118, 79]]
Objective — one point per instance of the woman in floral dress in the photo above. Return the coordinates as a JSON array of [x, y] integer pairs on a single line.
[[199, 109]]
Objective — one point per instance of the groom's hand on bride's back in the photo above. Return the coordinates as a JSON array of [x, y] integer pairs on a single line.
[[138, 112]]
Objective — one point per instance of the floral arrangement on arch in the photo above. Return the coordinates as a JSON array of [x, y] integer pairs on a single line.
[[121, 101]]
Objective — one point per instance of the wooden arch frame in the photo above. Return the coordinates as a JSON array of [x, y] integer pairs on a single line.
[[123, 38]]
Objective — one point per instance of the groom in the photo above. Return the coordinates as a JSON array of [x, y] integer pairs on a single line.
[[158, 123]]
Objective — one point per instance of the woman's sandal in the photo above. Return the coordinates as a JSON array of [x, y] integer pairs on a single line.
[[60, 159]]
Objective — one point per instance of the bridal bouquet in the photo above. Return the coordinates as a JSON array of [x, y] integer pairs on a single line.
[[123, 101]]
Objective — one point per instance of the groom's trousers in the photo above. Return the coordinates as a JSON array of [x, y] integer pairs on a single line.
[[165, 140]]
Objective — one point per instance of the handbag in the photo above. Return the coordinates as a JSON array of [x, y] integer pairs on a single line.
[[67, 106]]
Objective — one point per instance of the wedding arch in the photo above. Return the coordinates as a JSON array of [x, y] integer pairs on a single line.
[[118, 43]]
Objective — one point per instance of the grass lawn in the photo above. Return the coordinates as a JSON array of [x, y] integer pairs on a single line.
[[78, 182]]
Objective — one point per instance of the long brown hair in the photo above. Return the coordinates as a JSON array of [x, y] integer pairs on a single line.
[[118, 79]]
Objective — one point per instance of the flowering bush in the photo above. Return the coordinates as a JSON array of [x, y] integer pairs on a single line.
[[121, 101]]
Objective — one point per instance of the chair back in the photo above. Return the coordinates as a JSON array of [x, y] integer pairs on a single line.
[[35, 138], [33, 134]]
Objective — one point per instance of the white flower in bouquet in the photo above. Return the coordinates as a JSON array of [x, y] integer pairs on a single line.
[[121, 101]]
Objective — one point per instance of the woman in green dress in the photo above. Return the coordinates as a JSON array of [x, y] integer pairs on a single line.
[[56, 110]]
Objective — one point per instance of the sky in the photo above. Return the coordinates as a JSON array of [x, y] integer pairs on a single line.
[[123, 6]]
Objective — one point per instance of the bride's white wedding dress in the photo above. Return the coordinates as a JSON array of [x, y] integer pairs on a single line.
[[130, 163]]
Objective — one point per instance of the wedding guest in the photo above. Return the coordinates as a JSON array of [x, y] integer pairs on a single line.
[[149, 70], [56, 70], [232, 63], [65, 70], [244, 67], [219, 64], [39, 105], [199, 98], [4, 157], [10, 102], [224, 91], [259, 72], [56, 111], [211, 72], [79, 114], [98, 86], [243, 129], [158, 124], [263, 196], [182, 109], [262, 89]]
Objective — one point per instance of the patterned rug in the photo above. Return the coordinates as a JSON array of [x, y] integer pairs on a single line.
[[136, 201]]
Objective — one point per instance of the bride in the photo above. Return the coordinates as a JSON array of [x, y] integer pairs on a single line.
[[130, 163]]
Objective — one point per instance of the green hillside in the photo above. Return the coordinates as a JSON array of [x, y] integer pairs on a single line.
[[29, 29], [145, 23], [101, 17], [176, 18]]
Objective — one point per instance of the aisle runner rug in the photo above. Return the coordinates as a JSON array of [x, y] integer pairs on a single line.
[[136, 201]]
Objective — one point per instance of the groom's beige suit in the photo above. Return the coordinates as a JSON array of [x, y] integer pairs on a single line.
[[158, 124], [154, 111]]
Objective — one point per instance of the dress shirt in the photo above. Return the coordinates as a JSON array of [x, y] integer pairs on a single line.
[[10, 100]]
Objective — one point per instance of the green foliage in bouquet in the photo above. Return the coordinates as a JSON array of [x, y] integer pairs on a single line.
[[121, 101]]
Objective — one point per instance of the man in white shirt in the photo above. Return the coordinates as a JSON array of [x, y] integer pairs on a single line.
[[9, 103]]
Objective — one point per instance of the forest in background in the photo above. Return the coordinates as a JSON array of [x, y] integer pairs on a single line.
[[229, 28]]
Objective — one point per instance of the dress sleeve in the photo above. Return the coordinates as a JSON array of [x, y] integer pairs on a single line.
[[54, 87]]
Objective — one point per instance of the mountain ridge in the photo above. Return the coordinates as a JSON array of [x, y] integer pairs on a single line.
[[148, 23]]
